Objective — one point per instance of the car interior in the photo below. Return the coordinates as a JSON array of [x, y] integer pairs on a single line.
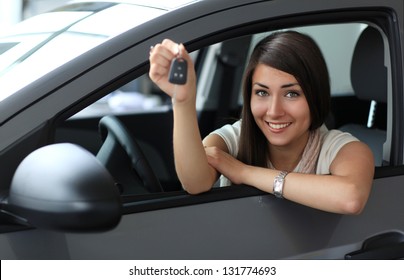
[[369, 80], [141, 114]]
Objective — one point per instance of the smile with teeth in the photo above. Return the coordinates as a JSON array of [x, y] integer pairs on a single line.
[[278, 125]]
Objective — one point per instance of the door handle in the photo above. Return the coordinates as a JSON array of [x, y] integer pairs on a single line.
[[386, 246]]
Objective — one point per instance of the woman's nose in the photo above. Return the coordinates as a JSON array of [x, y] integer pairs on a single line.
[[275, 107]]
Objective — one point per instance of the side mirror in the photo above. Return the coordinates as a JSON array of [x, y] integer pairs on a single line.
[[64, 187]]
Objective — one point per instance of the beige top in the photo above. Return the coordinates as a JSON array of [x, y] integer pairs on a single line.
[[332, 142]]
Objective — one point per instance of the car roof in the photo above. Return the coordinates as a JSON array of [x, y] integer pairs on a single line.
[[161, 4]]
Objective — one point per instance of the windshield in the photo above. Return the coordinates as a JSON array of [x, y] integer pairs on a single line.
[[42, 43]]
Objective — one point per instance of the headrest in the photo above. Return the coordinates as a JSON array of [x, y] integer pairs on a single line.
[[368, 73]]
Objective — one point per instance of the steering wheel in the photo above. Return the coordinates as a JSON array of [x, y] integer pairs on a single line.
[[118, 143]]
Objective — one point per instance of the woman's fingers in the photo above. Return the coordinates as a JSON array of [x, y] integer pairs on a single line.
[[160, 58], [161, 55]]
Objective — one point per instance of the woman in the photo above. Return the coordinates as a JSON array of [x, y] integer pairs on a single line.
[[280, 145]]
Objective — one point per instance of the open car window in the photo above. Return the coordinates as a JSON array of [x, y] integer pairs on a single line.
[[146, 111]]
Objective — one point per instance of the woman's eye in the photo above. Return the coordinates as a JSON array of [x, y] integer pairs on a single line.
[[261, 93], [292, 94]]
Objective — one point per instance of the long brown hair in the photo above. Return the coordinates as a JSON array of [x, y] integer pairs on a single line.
[[296, 54]]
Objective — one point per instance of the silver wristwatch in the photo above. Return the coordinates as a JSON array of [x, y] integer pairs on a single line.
[[278, 184]]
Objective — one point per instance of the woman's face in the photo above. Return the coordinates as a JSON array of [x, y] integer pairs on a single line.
[[279, 107]]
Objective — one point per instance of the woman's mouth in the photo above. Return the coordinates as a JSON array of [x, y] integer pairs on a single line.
[[278, 126]]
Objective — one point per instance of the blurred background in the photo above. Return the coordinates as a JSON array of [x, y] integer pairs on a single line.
[[13, 11]]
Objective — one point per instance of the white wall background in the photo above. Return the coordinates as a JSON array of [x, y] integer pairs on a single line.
[[13, 11], [10, 12]]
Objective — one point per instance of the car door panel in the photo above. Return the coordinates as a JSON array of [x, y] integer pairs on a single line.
[[264, 227], [254, 227]]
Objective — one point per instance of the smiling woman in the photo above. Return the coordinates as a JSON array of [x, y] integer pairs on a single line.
[[281, 144], [280, 61]]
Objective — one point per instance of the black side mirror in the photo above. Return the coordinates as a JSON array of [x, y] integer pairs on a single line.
[[64, 187]]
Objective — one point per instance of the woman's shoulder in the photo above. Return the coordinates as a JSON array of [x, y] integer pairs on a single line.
[[332, 141], [230, 133], [336, 136], [229, 129]]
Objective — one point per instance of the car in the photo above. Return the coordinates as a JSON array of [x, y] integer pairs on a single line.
[[86, 160]]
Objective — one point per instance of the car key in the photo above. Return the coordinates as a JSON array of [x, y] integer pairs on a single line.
[[178, 71]]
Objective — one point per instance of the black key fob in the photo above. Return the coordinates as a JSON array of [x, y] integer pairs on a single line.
[[178, 71]]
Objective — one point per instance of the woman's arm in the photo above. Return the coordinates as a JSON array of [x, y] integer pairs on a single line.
[[191, 164], [345, 191], [192, 167]]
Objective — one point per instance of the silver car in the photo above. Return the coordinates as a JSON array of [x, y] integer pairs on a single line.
[[86, 161]]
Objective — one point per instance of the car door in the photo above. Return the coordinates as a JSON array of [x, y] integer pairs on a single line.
[[239, 222]]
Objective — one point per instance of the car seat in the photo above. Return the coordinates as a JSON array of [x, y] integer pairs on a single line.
[[369, 81]]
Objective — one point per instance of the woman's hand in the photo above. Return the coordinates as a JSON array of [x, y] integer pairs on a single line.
[[161, 56]]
